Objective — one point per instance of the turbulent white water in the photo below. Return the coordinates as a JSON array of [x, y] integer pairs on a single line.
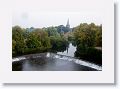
[[18, 59], [61, 57], [69, 52], [77, 61]]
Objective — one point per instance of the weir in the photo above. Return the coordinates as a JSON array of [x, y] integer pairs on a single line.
[[58, 57]]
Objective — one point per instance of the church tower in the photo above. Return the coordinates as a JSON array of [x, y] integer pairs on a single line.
[[68, 25]]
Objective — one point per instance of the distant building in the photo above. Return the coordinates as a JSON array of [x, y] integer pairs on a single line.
[[61, 29], [68, 25], [64, 29], [30, 29]]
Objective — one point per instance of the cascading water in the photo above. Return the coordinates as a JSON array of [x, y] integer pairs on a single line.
[[77, 61], [55, 56]]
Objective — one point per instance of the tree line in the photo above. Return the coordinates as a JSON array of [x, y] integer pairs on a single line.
[[39, 40]]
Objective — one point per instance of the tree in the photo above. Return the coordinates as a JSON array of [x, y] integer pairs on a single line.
[[33, 41], [58, 43], [13, 46], [43, 37], [99, 37], [18, 39], [84, 35], [52, 31], [87, 36]]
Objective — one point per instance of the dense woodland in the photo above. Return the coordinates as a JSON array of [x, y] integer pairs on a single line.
[[86, 37]]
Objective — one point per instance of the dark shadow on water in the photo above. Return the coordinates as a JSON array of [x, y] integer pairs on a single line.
[[17, 66], [89, 54]]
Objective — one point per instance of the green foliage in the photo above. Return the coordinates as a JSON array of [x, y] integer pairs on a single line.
[[52, 31], [13, 46], [59, 43], [37, 40], [88, 35], [33, 41], [18, 40], [43, 37], [85, 35], [98, 38], [26, 42]]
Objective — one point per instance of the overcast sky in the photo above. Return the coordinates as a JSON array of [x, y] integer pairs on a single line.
[[32, 15]]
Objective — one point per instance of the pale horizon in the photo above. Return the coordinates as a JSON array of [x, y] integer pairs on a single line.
[[39, 19], [40, 14]]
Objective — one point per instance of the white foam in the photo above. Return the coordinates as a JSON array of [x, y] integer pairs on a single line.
[[18, 59], [48, 55], [78, 61], [63, 57]]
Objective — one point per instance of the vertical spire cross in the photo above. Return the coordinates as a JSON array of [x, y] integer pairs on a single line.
[[68, 25]]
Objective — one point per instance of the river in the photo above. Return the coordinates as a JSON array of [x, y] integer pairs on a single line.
[[69, 51], [60, 61]]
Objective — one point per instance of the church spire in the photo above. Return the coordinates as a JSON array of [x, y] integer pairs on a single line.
[[68, 22], [68, 25]]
